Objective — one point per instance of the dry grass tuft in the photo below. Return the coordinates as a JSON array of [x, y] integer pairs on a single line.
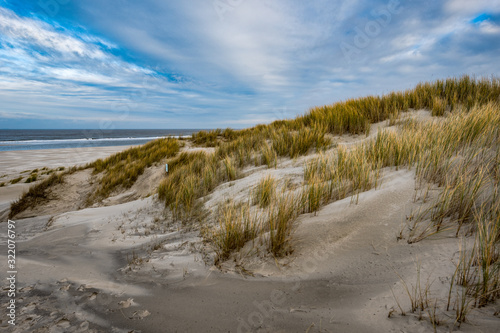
[[35, 195], [281, 217], [235, 227], [265, 191]]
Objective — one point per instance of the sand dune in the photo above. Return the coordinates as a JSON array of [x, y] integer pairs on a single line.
[[125, 267]]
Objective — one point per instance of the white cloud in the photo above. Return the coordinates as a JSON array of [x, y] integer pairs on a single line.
[[471, 6], [406, 55], [79, 75], [32, 49], [25, 30], [489, 28]]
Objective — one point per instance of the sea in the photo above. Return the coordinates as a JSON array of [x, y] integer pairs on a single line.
[[31, 139]]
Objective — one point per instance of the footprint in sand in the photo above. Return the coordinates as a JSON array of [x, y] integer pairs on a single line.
[[63, 323], [141, 314], [84, 326], [93, 296], [126, 304], [26, 289], [65, 288], [28, 308], [82, 287]]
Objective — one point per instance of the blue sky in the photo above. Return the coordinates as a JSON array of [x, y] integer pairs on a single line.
[[226, 63]]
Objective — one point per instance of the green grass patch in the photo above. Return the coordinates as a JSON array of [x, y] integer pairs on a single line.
[[32, 178], [16, 180]]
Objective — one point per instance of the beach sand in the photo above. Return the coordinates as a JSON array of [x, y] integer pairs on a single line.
[[127, 268], [16, 161]]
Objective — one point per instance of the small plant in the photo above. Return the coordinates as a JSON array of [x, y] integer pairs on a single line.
[[207, 139], [393, 118], [31, 178], [265, 191], [16, 180], [236, 226], [420, 300], [432, 312], [269, 156], [281, 217], [314, 194], [230, 168], [438, 106], [134, 260], [186, 195]]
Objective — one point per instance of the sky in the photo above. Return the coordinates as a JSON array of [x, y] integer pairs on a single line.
[[113, 64]]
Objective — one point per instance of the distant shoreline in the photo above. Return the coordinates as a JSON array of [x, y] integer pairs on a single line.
[[19, 140]]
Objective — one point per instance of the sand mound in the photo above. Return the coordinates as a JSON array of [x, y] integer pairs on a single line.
[[129, 266]]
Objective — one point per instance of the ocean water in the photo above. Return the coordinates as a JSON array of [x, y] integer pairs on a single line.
[[54, 139]]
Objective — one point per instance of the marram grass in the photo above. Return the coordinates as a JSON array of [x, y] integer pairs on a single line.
[[265, 191], [121, 170]]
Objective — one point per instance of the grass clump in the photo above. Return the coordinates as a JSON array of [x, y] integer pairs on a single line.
[[213, 137], [265, 191], [438, 107], [460, 154], [313, 195], [230, 168], [268, 157], [297, 143], [206, 139], [235, 227], [32, 178], [35, 195], [16, 180], [281, 217]]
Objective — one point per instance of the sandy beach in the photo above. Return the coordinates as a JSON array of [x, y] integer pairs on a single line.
[[123, 267], [16, 161]]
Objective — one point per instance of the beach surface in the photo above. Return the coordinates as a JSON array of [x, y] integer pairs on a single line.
[[19, 163], [16, 161], [125, 267]]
